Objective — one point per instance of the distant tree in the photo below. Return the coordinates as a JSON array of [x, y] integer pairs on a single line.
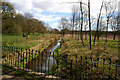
[[41, 28], [63, 25], [56, 31], [27, 29], [74, 18]]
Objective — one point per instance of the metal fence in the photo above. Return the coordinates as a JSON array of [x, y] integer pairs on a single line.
[[60, 66]]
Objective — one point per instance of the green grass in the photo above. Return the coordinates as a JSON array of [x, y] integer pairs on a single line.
[[20, 42], [101, 49]]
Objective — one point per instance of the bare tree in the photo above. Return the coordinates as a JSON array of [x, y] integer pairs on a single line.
[[114, 24], [89, 24], [98, 20], [85, 20], [110, 7], [81, 10], [63, 25], [74, 13]]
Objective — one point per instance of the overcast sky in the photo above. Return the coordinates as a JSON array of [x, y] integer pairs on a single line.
[[51, 11]]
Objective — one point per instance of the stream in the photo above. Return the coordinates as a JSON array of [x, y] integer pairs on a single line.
[[45, 63]]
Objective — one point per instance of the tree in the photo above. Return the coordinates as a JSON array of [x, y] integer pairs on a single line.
[[7, 17], [98, 20], [63, 25], [115, 24], [110, 7], [89, 24], [56, 31], [81, 10], [74, 17], [41, 28], [20, 23], [27, 29]]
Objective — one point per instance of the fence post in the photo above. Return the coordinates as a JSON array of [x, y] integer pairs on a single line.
[[45, 60], [41, 60], [18, 59], [91, 65], [97, 64], [57, 64], [29, 60], [81, 68], [21, 53], [76, 68], [23, 60], [109, 69], [103, 67], [71, 70], [15, 56], [38, 59], [12, 55], [53, 58], [32, 60], [116, 70], [35, 62], [48, 62], [26, 59], [86, 67]]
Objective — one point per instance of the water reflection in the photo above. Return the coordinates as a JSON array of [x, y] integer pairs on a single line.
[[44, 63]]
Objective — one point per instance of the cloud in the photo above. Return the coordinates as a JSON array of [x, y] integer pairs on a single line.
[[55, 25], [47, 18], [22, 5], [38, 7]]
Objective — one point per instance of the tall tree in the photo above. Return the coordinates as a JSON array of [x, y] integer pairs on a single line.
[[89, 24], [98, 20], [110, 7], [81, 10], [7, 17], [74, 13]]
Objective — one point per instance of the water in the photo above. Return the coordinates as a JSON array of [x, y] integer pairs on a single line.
[[45, 63]]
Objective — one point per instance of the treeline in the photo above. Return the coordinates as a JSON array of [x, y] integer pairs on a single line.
[[16, 23]]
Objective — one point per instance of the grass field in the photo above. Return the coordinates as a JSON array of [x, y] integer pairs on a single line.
[[73, 47], [20, 42]]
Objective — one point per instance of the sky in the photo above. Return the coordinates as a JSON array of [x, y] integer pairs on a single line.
[[51, 11]]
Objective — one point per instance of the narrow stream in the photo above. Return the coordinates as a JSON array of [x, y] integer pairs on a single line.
[[45, 63]]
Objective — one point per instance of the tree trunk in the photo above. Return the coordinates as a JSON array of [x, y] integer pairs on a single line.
[[98, 20], [81, 23], [107, 30], [114, 36], [89, 24]]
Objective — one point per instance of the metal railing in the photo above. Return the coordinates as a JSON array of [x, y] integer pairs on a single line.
[[60, 66]]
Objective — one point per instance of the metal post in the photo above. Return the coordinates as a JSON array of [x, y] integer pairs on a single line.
[[35, 62], [26, 58], [116, 70], [109, 69], [23, 60], [45, 60], [103, 66], [86, 68], [97, 64], [29, 59], [38, 59], [81, 68], [71, 77]]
